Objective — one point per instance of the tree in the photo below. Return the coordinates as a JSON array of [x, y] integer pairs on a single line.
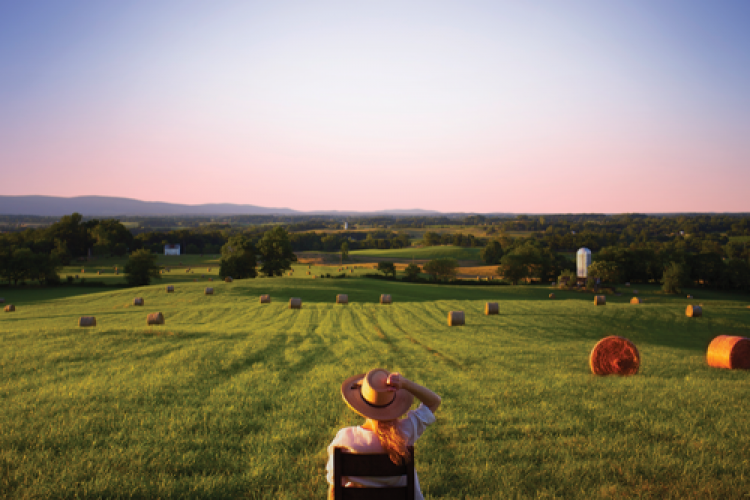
[[345, 251], [570, 275], [514, 267], [412, 272], [442, 268], [387, 268], [492, 253], [276, 252], [238, 258], [430, 239], [140, 268], [608, 272], [673, 278]]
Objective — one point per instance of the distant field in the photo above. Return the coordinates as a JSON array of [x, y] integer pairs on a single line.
[[739, 238], [423, 253], [234, 399]]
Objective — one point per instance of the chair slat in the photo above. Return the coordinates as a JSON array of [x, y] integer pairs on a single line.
[[374, 493], [356, 464]]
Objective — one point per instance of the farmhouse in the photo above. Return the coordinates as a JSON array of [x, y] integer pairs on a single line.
[[171, 249]]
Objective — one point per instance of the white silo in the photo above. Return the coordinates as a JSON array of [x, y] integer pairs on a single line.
[[583, 261]]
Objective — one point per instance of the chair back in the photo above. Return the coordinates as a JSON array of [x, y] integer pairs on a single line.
[[373, 465]]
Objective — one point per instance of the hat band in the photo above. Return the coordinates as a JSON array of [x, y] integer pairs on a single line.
[[373, 404]]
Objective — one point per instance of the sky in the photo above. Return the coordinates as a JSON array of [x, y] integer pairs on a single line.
[[499, 106]]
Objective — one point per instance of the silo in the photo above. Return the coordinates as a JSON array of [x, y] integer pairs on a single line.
[[583, 261]]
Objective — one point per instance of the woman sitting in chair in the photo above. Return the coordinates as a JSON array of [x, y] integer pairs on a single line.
[[382, 397]]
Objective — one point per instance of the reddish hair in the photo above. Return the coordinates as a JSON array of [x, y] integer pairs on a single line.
[[392, 441]]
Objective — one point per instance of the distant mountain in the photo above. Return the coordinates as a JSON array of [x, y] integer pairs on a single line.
[[107, 206]]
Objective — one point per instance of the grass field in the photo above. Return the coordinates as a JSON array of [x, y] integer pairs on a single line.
[[423, 253], [234, 399]]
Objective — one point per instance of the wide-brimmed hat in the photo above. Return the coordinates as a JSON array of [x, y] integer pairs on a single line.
[[368, 395]]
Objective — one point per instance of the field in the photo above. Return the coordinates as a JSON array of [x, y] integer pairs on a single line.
[[234, 399], [420, 253]]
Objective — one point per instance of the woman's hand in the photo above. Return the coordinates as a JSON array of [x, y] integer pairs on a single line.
[[395, 382]]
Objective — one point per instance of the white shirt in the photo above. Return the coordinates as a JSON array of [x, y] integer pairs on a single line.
[[359, 440]]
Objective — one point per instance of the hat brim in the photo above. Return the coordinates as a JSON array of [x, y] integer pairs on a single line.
[[350, 391]]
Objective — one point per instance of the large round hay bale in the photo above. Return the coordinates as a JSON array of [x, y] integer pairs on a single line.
[[228, 279], [138, 301], [295, 303], [600, 300], [155, 319], [386, 299], [552, 296], [208, 291], [10, 308], [614, 356], [87, 321], [726, 351], [635, 300], [265, 299], [342, 298], [491, 308], [456, 318], [170, 288], [694, 311]]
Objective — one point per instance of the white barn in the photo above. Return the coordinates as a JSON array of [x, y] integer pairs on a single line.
[[171, 249]]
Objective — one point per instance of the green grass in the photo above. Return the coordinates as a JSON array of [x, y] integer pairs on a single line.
[[424, 253], [234, 399]]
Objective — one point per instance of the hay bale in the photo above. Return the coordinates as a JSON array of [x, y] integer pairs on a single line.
[[195, 280], [87, 321], [314, 276], [726, 351], [98, 273], [209, 270], [295, 303], [552, 296], [694, 311], [386, 299], [10, 308], [600, 300], [491, 308], [138, 301], [308, 273], [155, 319], [690, 296], [83, 271], [170, 288], [351, 271], [76, 276], [265, 299], [210, 279], [228, 279], [614, 355], [208, 291], [635, 300], [342, 298], [456, 318]]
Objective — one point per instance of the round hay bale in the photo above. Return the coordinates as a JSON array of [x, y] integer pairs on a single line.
[[76, 276], [614, 356], [265, 299], [170, 288], [228, 279], [552, 296], [210, 279], [83, 271], [314, 276], [342, 298], [309, 267], [98, 273], [209, 270], [10, 308], [138, 301], [386, 299], [729, 352], [456, 318], [600, 300], [295, 303], [156, 318], [694, 311], [87, 321], [635, 300], [690, 296], [194, 280], [351, 271], [208, 291], [491, 308], [308, 273]]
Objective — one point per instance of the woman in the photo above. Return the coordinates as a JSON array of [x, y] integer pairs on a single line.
[[382, 398]]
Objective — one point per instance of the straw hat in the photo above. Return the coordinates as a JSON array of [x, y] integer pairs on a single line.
[[368, 395]]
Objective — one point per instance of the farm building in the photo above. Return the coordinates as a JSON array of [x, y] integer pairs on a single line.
[[171, 249]]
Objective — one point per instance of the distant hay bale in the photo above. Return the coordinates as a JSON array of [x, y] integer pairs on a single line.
[[155, 319], [87, 321], [351, 270], [314, 276], [210, 279], [76, 276], [138, 301], [635, 300], [600, 300], [552, 296], [491, 308], [10, 308], [729, 352], [170, 288], [342, 298], [295, 303], [386, 299], [694, 311], [208, 291], [265, 299], [309, 267], [456, 318], [614, 356], [195, 280], [98, 273], [308, 272], [690, 296], [83, 271], [228, 279], [479, 278], [209, 269]]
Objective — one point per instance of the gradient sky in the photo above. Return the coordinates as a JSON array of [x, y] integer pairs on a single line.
[[533, 106]]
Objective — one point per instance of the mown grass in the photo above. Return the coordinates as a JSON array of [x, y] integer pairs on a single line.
[[423, 253], [234, 399]]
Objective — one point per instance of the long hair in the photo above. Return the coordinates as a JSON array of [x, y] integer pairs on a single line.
[[393, 441]]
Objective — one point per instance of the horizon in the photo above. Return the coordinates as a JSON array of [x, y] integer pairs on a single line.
[[628, 107]]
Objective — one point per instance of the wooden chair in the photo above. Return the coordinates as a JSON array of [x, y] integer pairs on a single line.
[[360, 464]]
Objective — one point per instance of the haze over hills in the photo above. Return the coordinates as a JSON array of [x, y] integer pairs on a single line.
[[107, 206]]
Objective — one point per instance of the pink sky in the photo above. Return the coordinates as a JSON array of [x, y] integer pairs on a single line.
[[485, 107]]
